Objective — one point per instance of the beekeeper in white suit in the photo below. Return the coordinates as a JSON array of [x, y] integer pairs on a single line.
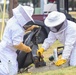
[[13, 38], [63, 30]]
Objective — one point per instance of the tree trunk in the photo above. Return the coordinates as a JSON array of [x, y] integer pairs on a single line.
[[12, 4]]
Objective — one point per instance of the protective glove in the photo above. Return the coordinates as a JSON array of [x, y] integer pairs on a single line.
[[32, 27], [40, 51], [23, 47], [60, 62]]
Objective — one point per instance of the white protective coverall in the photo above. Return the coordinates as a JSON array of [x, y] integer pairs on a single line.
[[13, 35], [67, 36]]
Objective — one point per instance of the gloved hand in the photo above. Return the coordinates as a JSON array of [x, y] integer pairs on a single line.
[[23, 47], [60, 62], [40, 51], [35, 26], [27, 49], [32, 27]]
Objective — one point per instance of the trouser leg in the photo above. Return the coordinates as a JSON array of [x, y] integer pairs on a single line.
[[4, 68], [25, 59], [28, 60], [3, 71], [21, 59], [8, 68], [34, 50]]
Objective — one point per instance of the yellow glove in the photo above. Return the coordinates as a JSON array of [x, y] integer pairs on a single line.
[[60, 62], [23, 47], [40, 51]]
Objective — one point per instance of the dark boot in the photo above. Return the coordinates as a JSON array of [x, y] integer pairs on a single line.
[[38, 62]]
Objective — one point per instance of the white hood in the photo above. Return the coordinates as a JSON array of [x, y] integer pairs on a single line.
[[23, 14]]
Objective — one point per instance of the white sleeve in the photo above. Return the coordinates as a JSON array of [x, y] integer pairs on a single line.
[[69, 44], [49, 41], [17, 36]]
